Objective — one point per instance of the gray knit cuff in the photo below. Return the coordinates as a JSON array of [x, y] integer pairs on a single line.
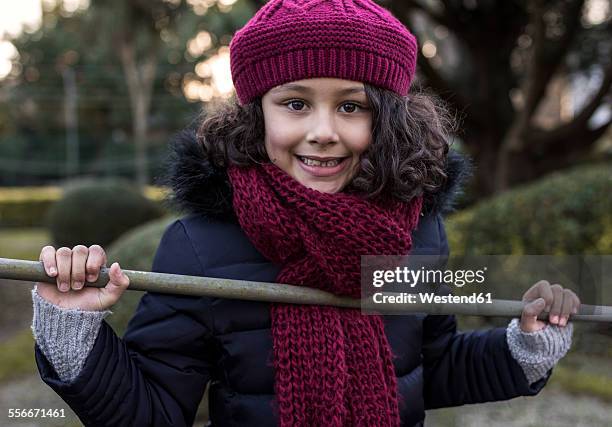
[[537, 352], [65, 336]]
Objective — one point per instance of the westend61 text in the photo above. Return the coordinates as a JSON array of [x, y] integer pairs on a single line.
[[429, 298]]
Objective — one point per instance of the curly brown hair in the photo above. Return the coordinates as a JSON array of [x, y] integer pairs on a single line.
[[411, 137]]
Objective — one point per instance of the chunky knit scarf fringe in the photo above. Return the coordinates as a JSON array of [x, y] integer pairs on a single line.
[[333, 366]]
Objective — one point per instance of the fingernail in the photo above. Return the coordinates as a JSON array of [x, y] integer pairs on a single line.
[[52, 270], [91, 278], [64, 287], [78, 285], [562, 321], [554, 319]]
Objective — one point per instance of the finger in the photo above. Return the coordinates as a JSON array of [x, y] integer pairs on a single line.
[[47, 256], [63, 257], [576, 304], [96, 259], [555, 310], [529, 316], [548, 295], [117, 284], [534, 292], [566, 308], [575, 301], [79, 258], [533, 308]]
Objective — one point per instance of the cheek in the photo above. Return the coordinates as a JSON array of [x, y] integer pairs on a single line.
[[360, 141], [361, 136], [278, 142]]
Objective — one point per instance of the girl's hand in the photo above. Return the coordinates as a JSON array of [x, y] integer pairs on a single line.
[[543, 296], [71, 267]]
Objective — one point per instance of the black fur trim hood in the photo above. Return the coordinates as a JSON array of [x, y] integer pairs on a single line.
[[201, 188]]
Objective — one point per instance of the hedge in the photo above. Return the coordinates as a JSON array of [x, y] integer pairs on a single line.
[[565, 213]]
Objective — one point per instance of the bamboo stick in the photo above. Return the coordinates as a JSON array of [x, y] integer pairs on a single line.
[[33, 271]]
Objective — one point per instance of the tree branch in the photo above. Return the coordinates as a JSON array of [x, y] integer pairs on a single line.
[[566, 150], [403, 8], [579, 125], [548, 55], [441, 86], [259, 3], [539, 73]]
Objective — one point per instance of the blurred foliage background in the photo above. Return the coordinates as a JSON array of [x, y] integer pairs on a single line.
[[91, 91]]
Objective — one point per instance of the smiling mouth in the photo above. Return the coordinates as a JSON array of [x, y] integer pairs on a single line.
[[326, 162]]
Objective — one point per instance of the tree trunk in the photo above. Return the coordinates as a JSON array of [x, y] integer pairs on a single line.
[[140, 87]]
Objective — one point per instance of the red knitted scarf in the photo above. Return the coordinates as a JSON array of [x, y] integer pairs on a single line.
[[333, 366]]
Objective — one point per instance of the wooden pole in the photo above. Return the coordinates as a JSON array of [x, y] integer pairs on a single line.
[[33, 271]]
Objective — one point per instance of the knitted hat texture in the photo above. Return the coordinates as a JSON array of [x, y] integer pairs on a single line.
[[288, 40]]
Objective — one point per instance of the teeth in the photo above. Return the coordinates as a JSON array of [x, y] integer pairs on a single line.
[[311, 162]]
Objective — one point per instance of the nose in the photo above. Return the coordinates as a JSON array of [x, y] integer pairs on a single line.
[[323, 129]]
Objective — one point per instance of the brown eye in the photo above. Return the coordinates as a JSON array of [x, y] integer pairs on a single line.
[[295, 102], [353, 106]]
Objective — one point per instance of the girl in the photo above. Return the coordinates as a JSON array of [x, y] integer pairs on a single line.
[[324, 158]]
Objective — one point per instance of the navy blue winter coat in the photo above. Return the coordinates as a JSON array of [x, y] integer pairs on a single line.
[[174, 345]]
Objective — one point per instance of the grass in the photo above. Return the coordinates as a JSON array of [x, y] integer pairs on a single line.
[[588, 374], [17, 352], [17, 356], [23, 243], [578, 382]]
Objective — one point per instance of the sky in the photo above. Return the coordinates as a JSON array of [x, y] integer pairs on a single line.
[[17, 16]]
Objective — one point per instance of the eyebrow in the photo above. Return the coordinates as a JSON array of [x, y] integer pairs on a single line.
[[297, 87]]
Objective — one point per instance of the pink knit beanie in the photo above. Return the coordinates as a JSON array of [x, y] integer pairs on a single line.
[[290, 40]]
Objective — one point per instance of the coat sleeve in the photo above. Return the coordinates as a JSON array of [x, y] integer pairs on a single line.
[[156, 375], [469, 367]]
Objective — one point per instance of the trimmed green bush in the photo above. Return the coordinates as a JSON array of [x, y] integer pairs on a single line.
[[567, 212], [22, 207], [98, 212], [26, 206], [22, 243]]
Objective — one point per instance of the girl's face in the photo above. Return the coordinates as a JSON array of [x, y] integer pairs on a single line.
[[316, 129]]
